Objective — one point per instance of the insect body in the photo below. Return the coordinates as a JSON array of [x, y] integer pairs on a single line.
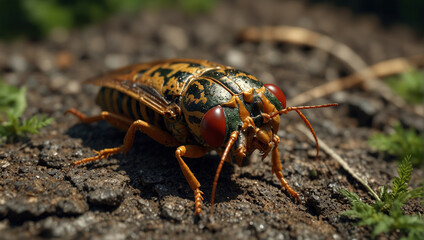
[[196, 106]]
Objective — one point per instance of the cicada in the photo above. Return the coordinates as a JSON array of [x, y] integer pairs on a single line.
[[197, 106]]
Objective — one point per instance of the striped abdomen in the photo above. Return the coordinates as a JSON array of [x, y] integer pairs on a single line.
[[114, 101]]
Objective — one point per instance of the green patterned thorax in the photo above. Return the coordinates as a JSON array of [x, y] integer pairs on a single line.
[[171, 78], [215, 87], [237, 81], [200, 96]]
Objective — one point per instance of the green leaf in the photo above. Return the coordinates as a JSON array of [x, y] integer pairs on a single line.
[[383, 225], [351, 196], [386, 215], [12, 99], [409, 85], [400, 184], [359, 209], [34, 124], [384, 194], [412, 226], [12, 107], [400, 143]]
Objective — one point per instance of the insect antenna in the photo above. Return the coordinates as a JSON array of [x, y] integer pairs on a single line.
[[305, 120], [230, 143], [288, 109]]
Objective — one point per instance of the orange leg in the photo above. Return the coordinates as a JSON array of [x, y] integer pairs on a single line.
[[191, 151], [112, 118], [122, 122], [276, 168]]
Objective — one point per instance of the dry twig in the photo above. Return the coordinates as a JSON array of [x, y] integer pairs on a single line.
[[302, 36], [363, 74], [380, 70], [339, 159]]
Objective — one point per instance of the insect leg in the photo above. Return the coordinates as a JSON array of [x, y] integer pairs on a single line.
[[153, 132], [276, 168], [113, 119], [191, 151]]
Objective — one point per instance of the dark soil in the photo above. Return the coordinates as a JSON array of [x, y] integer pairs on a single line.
[[143, 194]]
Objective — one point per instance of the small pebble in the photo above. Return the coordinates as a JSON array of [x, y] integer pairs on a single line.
[[18, 63], [73, 87], [236, 58], [113, 61]]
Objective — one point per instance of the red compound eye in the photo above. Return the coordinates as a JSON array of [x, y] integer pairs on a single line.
[[213, 126], [277, 93]]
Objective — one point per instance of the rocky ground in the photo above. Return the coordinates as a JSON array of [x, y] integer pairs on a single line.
[[143, 194]]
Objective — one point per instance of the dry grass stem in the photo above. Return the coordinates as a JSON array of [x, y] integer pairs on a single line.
[[363, 74], [339, 159], [302, 36], [380, 70]]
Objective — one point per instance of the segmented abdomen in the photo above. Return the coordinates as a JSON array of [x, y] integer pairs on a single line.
[[114, 101]]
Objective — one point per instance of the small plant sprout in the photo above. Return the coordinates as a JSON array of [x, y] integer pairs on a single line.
[[400, 143], [386, 215], [409, 85], [12, 107]]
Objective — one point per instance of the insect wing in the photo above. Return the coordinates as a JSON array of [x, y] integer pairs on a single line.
[[125, 80]]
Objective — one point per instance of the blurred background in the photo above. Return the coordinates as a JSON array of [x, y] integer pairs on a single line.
[[390, 12], [34, 19]]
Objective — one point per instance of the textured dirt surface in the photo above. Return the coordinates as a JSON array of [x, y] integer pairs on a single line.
[[143, 194]]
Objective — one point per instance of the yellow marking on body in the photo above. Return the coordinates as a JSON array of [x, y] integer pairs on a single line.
[[147, 77], [115, 102], [247, 75], [176, 87], [248, 95], [232, 103], [134, 108], [152, 77], [192, 99], [185, 67], [177, 67], [269, 108], [136, 75], [253, 77], [157, 81], [144, 114], [244, 115], [125, 106], [173, 86], [222, 70]]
